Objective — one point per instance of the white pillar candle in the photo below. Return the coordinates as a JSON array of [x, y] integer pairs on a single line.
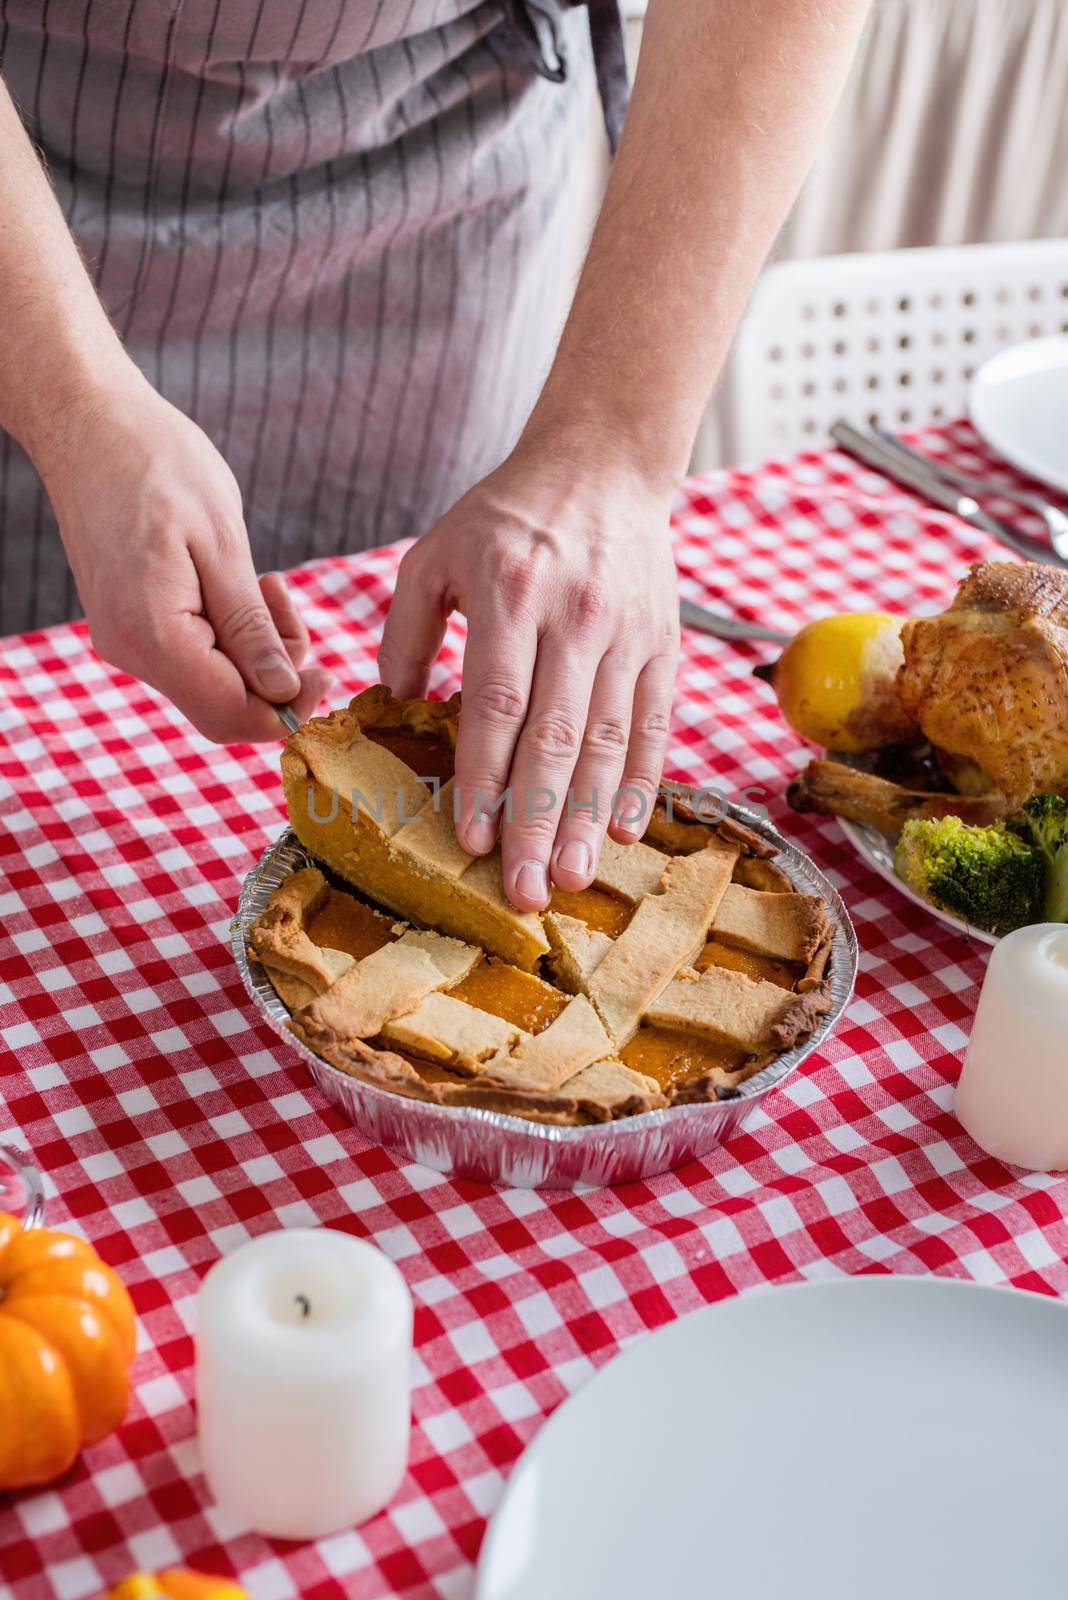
[[303, 1358], [1013, 1091]]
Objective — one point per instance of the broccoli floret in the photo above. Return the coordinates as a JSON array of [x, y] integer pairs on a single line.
[[1043, 822], [990, 877]]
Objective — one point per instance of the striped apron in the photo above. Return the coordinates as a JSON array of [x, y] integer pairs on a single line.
[[338, 234]]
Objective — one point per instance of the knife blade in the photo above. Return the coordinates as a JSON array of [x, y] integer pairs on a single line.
[[721, 627], [937, 492]]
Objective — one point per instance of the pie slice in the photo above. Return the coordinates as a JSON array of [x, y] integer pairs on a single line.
[[687, 965], [357, 805], [429, 841]]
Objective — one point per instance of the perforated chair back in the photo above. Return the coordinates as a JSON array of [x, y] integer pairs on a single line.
[[892, 339]]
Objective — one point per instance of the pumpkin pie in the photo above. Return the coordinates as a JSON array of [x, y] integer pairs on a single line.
[[689, 963]]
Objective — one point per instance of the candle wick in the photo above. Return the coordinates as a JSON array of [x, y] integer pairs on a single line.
[[304, 1303]]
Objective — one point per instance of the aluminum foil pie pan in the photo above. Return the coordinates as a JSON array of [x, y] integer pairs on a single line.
[[492, 1147]]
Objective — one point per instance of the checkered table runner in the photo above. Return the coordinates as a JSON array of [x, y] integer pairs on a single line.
[[172, 1124]]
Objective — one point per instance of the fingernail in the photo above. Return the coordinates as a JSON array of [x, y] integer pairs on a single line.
[[629, 818], [277, 674], [531, 881], [480, 837], [575, 857]]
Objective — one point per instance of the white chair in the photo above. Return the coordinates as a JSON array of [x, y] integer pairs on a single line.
[[890, 339]]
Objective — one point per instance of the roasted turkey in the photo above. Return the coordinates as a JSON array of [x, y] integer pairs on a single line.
[[987, 681], [986, 685]]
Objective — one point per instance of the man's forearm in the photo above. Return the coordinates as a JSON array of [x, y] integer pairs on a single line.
[[730, 99], [57, 348]]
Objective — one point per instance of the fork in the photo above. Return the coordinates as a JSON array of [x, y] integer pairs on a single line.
[[979, 488]]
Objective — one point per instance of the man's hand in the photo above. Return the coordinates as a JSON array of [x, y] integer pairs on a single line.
[[566, 577], [152, 523], [560, 558], [149, 511]]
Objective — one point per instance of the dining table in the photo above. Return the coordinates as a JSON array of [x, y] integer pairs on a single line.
[[170, 1123]]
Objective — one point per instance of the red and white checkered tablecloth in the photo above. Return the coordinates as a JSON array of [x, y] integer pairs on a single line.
[[172, 1124]]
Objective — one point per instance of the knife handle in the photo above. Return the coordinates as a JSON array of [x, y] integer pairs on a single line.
[[875, 454], [937, 492]]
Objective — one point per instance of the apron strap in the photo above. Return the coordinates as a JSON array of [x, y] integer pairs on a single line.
[[609, 58], [534, 25]]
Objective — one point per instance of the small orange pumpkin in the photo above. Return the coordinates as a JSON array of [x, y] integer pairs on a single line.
[[176, 1583], [67, 1337]]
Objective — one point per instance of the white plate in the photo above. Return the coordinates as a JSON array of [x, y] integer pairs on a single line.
[[878, 851], [875, 1437], [1018, 401]]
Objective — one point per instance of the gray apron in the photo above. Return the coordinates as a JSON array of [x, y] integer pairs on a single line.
[[335, 233]]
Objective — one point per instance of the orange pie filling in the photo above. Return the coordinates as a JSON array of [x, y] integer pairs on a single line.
[[718, 954], [599, 909], [677, 1058], [431, 757], [451, 896], [344, 923], [428, 757], [504, 991], [671, 1058]]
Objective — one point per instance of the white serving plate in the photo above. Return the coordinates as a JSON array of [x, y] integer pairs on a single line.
[[1018, 402], [876, 1436], [878, 851]]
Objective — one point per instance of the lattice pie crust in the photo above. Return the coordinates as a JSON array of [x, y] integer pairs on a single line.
[[688, 965]]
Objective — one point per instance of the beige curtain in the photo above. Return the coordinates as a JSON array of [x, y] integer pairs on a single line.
[[953, 129]]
